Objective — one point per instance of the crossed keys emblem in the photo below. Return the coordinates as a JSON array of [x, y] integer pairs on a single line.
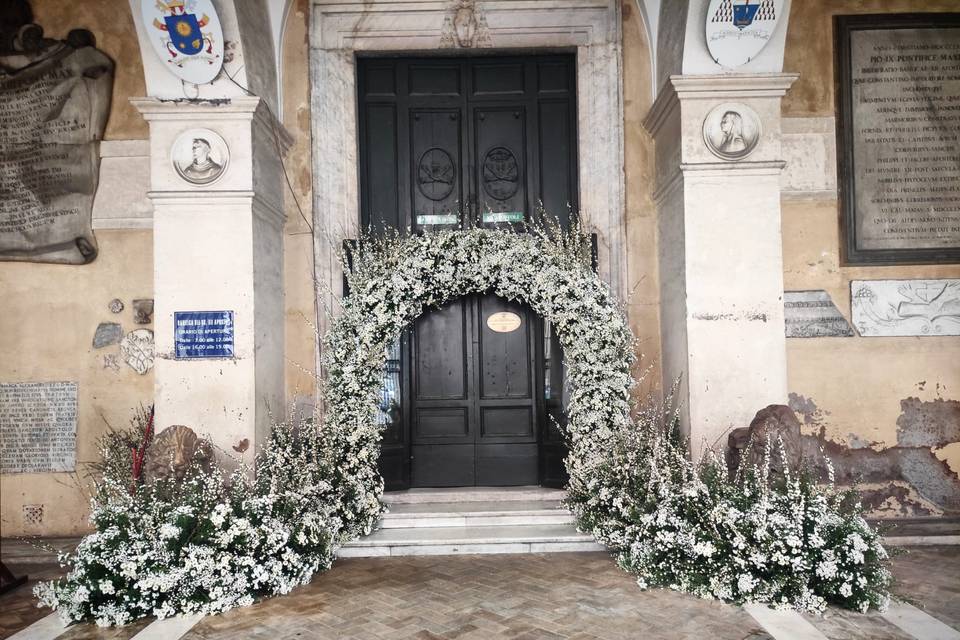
[[501, 173], [435, 174]]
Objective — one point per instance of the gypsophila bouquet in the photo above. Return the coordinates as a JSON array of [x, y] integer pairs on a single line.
[[751, 536], [205, 543]]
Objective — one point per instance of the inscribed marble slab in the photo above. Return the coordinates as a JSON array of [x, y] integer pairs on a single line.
[[38, 427]]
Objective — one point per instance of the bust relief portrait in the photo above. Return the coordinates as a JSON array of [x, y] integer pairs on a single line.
[[731, 131], [200, 156]]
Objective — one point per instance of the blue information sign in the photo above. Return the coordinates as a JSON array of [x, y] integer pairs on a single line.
[[203, 334]]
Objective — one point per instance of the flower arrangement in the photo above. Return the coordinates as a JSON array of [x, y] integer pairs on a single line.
[[215, 540], [753, 535], [204, 543]]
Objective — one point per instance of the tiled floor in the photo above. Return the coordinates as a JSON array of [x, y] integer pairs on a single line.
[[567, 595]]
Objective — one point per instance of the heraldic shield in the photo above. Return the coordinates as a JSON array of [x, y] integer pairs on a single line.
[[743, 14], [184, 31]]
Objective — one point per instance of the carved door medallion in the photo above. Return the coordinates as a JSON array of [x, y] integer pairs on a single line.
[[436, 174], [501, 173]]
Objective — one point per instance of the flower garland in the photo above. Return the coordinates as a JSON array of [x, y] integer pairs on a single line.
[[394, 279]]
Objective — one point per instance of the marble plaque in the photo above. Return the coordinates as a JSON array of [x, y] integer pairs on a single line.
[[812, 314], [38, 427], [107, 333], [900, 118], [906, 307], [55, 106]]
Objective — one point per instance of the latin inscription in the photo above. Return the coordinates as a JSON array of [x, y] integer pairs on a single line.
[[906, 137], [38, 427], [53, 115]]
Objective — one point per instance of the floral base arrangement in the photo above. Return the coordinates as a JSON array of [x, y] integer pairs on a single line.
[[780, 538], [209, 540]]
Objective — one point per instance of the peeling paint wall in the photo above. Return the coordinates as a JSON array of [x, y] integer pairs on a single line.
[[50, 313], [884, 408], [49, 318]]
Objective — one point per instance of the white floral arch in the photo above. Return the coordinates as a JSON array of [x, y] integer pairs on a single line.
[[394, 280]]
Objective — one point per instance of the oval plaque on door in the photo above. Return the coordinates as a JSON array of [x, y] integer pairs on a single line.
[[503, 322]]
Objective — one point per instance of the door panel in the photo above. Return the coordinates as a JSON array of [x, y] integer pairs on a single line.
[[443, 142], [501, 465], [506, 422], [501, 161], [449, 465], [441, 353], [505, 362], [435, 152]]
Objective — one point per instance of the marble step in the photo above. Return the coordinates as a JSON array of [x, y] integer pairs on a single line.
[[470, 540], [475, 514], [474, 494]]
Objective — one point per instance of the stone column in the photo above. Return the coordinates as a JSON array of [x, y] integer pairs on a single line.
[[218, 246], [720, 248]]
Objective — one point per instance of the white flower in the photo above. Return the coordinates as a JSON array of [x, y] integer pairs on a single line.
[[169, 531], [106, 587], [705, 549]]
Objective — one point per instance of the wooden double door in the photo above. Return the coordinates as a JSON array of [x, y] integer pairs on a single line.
[[473, 389]]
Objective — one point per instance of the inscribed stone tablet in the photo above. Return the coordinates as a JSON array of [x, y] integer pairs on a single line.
[[812, 314], [55, 107], [906, 307], [900, 108], [38, 427]]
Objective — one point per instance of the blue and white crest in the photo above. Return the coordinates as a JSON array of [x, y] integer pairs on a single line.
[[187, 36], [737, 30]]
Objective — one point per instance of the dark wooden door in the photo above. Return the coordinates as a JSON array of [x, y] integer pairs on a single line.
[[458, 143]]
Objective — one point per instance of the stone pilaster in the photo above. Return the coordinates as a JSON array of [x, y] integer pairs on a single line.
[[720, 248], [219, 247]]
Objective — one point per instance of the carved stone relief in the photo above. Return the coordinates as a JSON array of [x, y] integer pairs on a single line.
[[465, 27], [731, 131], [200, 156], [906, 307]]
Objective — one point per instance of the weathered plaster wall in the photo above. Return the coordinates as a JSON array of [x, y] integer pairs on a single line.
[[886, 409], [810, 46], [298, 240], [112, 25], [642, 280], [49, 316], [50, 312]]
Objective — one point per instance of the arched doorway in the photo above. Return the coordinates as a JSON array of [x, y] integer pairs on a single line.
[[473, 390]]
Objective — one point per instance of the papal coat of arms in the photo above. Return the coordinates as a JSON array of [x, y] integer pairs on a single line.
[[737, 30], [187, 36]]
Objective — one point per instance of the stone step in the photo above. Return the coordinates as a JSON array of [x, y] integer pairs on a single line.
[[470, 540], [473, 494], [476, 514]]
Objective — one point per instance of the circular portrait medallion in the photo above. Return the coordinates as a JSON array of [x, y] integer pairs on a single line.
[[731, 131], [200, 156]]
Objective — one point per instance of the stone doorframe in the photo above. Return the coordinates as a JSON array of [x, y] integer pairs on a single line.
[[339, 30]]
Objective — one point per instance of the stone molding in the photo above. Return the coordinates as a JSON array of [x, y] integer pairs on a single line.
[[121, 200], [341, 29], [675, 117]]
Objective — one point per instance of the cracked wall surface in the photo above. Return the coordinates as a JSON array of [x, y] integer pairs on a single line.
[[884, 408]]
